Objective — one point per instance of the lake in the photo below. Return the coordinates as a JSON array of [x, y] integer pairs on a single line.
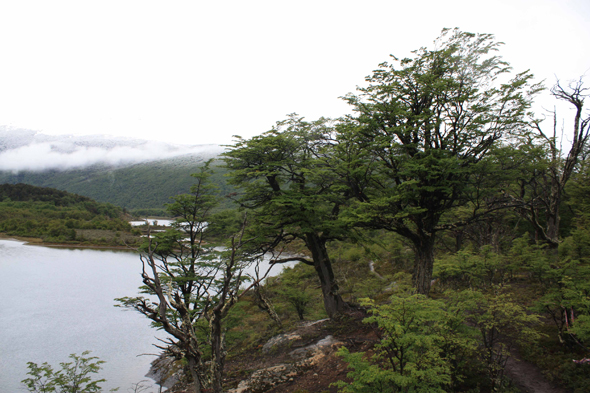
[[58, 301], [152, 221]]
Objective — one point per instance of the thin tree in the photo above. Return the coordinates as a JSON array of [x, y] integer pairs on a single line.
[[189, 281], [544, 192]]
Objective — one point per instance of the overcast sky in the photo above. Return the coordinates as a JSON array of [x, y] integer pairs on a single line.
[[199, 72]]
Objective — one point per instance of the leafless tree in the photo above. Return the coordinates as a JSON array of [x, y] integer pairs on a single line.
[[547, 189]]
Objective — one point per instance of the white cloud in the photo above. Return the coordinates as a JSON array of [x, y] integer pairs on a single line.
[[61, 155]]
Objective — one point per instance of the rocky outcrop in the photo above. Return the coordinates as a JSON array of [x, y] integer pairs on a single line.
[[298, 361], [165, 371], [279, 342]]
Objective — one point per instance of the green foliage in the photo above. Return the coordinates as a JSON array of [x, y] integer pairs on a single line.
[[54, 215], [578, 190], [279, 176], [292, 194], [427, 125], [439, 144], [295, 293], [467, 269], [140, 186], [72, 377], [409, 357], [353, 264], [193, 285], [502, 323], [225, 223], [557, 365], [441, 345], [295, 289], [562, 281]]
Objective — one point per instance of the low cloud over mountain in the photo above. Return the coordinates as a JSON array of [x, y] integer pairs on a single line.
[[26, 150]]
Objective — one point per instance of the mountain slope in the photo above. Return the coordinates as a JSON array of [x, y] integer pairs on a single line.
[[138, 186], [130, 173]]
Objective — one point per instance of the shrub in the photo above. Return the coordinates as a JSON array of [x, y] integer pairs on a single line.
[[73, 377]]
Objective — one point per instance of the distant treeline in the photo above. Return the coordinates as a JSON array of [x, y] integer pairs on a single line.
[[24, 192]]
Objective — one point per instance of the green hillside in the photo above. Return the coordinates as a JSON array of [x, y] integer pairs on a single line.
[[134, 188], [58, 216]]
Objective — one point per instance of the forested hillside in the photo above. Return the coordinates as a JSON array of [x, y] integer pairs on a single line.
[[139, 186], [58, 216]]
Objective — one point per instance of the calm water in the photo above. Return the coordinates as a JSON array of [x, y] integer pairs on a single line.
[[57, 301], [152, 221]]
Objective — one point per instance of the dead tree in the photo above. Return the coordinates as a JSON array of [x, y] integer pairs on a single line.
[[548, 194]]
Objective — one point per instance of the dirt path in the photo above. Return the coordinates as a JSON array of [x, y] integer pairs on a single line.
[[528, 377]]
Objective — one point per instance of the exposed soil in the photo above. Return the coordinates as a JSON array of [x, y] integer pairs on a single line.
[[527, 377]]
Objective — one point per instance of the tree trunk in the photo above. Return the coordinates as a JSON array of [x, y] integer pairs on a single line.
[[553, 214], [192, 365], [333, 302], [217, 353], [424, 254]]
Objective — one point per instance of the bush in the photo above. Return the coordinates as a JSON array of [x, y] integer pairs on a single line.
[[73, 377], [410, 355]]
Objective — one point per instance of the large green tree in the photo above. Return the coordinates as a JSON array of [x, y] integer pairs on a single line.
[[292, 194], [429, 122]]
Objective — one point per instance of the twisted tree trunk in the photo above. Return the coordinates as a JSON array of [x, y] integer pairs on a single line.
[[333, 302]]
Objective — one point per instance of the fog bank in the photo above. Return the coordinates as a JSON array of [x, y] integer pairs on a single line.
[[23, 150]]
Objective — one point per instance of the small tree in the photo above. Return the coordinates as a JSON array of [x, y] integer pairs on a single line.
[[192, 282], [295, 288], [410, 355], [73, 377], [180, 272]]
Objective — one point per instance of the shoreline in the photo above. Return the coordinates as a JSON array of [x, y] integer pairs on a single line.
[[35, 241]]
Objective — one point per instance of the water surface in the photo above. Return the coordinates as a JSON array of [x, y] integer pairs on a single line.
[[60, 301]]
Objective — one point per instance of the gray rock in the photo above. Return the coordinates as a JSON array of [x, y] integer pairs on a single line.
[[282, 340], [304, 358]]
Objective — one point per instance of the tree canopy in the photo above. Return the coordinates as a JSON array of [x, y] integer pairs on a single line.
[[429, 122], [292, 194]]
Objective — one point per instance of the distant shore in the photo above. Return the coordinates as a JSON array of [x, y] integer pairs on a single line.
[[35, 241]]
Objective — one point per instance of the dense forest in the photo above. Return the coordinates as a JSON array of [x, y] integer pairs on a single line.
[[141, 188], [443, 214]]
